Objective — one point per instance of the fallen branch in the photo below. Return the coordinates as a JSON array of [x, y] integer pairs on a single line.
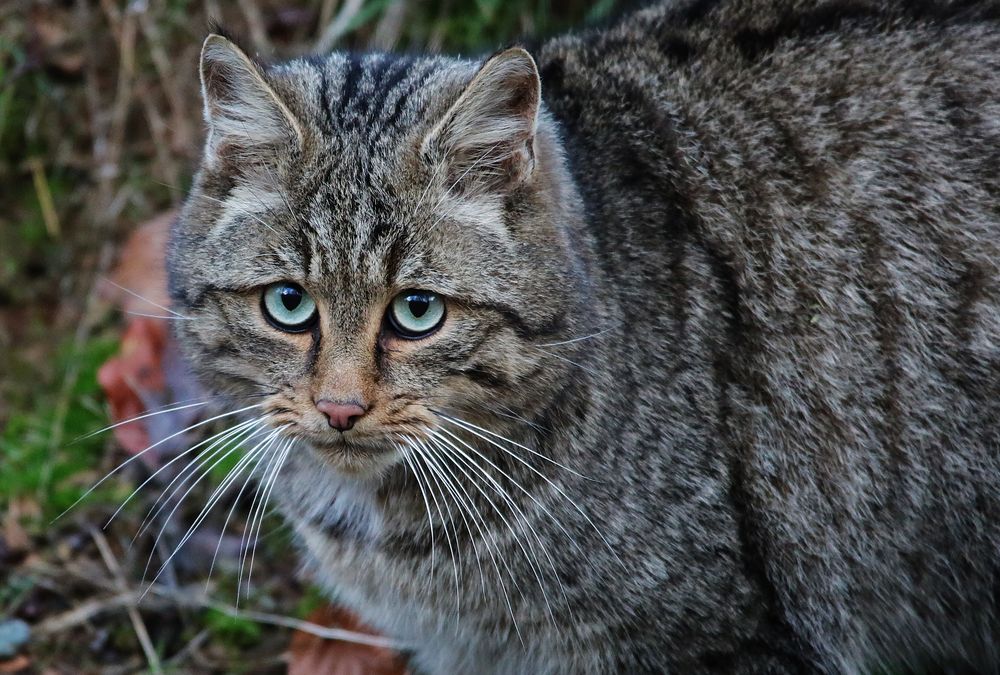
[[160, 598]]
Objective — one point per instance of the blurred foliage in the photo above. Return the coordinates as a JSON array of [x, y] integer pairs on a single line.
[[44, 460], [233, 630]]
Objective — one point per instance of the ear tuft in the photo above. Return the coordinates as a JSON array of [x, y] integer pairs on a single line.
[[243, 113], [488, 134]]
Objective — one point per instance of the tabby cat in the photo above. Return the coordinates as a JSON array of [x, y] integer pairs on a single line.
[[668, 346]]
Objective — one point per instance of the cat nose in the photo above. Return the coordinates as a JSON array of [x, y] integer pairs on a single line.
[[341, 416]]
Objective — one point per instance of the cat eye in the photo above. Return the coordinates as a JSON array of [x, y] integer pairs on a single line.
[[415, 314], [287, 307]]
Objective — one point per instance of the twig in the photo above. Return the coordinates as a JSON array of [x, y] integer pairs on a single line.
[[180, 120], [158, 597], [255, 24], [141, 633], [324, 632], [336, 29], [49, 214], [190, 648], [389, 27]]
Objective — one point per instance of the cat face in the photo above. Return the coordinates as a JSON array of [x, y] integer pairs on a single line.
[[373, 242]]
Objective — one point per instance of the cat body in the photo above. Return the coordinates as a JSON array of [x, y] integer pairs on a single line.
[[717, 390]]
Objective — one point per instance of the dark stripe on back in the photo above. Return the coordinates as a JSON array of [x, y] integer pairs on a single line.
[[836, 16]]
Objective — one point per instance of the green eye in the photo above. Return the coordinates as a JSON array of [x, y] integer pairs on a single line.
[[287, 307], [416, 314]]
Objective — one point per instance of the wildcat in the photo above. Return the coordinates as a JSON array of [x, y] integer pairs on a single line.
[[667, 346]]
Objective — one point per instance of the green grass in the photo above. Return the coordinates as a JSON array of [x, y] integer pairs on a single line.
[[45, 461]]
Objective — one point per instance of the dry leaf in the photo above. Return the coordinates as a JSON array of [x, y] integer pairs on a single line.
[[147, 372], [309, 654]]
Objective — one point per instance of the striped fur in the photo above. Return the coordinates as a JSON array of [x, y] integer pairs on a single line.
[[737, 274]]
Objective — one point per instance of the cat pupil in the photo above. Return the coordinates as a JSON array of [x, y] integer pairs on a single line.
[[418, 306], [291, 299]]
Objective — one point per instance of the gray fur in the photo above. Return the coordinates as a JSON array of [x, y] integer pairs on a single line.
[[774, 228]]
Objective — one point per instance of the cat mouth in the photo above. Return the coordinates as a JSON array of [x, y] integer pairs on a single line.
[[356, 455]]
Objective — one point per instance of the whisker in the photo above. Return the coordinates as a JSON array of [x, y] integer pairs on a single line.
[[582, 367], [255, 504], [199, 464], [216, 495], [447, 537], [165, 466], [154, 445], [283, 455], [578, 339], [145, 299], [238, 469], [538, 473], [160, 316], [234, 434], [493, 551], [511, 479], [173, 407], [516, 512], [470, 426], [427, 507], [459, 502]]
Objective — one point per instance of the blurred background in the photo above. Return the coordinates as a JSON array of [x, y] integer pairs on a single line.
[[100, 126]]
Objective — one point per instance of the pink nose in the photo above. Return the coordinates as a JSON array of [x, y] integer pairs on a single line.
[[341, 416]]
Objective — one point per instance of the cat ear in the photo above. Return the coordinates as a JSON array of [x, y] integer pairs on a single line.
[[488, 134], [243, 113]]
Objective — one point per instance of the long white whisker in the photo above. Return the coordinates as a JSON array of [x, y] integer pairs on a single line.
[[470, 426], [530, 556], [236, 434], [140, 454], [271, 455], [238, 469], [144, 299], [579, 339], [492, 548], [168, 409], [160, 316], [419, 446], [513, 482], [224, 450], [447, 536], [582, 367], [440, 512], [282, 456], [223, 434], [536, 472], [216, 495], [427, 506]]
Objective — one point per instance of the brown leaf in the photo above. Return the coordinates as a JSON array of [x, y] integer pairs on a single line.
[[309, 654], [142, 268], [135, 376], [15, 665], [136, 370]]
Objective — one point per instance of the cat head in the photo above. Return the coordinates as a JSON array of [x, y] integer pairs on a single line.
[[375, 243]]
